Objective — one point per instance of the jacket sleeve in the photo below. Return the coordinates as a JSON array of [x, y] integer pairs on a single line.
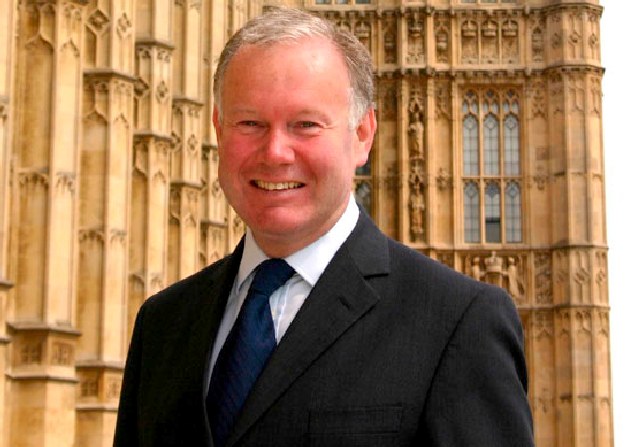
[[478, 395], [126, 434]]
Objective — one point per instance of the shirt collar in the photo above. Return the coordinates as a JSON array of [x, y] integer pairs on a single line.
[[309, 262]]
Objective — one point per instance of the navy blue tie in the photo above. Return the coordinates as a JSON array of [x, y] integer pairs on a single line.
[[246, 350]]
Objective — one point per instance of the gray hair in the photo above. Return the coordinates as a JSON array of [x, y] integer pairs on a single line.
[[287, 24]]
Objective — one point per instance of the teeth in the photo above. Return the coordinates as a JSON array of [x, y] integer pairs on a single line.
[[277, 186]]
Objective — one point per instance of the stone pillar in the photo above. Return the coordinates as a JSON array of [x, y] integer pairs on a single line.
[[185, 158], [104, 193], [47, 137], [152, 138], [7, 107], [583, 390], [215, 212]]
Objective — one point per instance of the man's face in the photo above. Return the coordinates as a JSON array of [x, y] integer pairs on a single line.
[[287, 153]]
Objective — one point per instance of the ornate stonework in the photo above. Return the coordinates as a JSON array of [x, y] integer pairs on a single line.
[[488, 158]]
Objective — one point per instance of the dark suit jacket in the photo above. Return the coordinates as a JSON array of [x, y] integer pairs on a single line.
[[389, 349]]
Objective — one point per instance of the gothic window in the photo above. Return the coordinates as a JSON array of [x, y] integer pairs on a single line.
[[471, 136], [491, 145], [471, 212], [363, 186], [491, 167], [492, 214], [513, 212]]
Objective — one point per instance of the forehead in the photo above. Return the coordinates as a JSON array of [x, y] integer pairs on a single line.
[[306, 71], [308, 56]]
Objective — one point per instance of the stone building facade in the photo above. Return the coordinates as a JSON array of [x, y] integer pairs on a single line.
[[489, 158]]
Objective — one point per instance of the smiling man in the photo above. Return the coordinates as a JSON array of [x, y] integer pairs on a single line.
[[318, 329]]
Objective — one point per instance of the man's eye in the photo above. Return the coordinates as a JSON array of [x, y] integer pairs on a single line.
[[307, 124], [249, 123]]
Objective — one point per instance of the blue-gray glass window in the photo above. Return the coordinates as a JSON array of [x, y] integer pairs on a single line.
[[471, 145], [323, 2], [511, 145], [492, 213], [363, 2], [363, 195], [365, 169], [491, 145], [471, 212], [513, 212]]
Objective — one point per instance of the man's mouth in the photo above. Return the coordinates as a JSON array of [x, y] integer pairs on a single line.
[[278, 186]]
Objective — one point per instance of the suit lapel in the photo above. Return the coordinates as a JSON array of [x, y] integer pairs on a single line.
[[212, 295], [340, 298]]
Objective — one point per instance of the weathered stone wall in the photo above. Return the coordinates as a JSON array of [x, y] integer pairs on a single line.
[[109, 189]]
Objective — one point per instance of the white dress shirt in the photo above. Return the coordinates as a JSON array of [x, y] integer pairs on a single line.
[[308, 263]]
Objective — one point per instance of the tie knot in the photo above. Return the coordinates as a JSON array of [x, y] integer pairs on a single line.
[[270, 275]]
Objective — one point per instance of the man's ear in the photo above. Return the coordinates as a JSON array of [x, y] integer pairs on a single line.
[[365, 136], [216, 119]]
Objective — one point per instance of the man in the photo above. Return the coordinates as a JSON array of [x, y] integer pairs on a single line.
[[372, 344]]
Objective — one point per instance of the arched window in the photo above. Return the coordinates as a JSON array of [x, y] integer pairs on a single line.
[[491, 145], [471, 146], [495, 216], [511, 145], [513, 212], [471, 212], [492, 213]]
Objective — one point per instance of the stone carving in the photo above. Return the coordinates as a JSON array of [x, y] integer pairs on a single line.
[[91, 235], [416, 135], [556, 94], [537, 45], [62, 354], [543, 324], [389, 102], [510, 42], [362, 31], [31, 354], [416, 138], [417, 201], [507, 272], [416, 49], [469, 38], [98, 21], [442, 100], [543, 285], [66, 181], [44, 16], [441, 45], [33, 178], [515, 284], [576, 92], [444, 180], [118, 236], [141, 158], [490, 42], [538, 99], [89, 386], [390, 39], [596, 96], [575, 37], [162, 92], [123, 25], [113, 388]]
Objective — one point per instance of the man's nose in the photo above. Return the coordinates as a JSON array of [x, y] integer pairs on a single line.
[[278, 147]]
